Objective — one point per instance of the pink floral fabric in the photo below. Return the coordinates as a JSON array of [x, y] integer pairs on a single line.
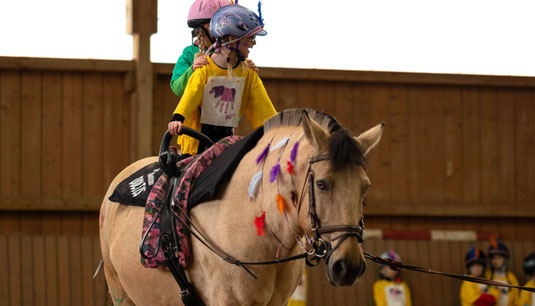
[[192, 167]]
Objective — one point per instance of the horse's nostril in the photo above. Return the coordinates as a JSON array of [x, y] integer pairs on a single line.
[[340, 268]]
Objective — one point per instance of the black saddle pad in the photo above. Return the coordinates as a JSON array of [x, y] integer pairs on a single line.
[[221, 169], [135, 189]]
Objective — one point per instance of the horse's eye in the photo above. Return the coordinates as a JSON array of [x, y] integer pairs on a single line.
[[322, 185]]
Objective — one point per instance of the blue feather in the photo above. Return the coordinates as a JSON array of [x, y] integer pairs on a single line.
[[255, 182]]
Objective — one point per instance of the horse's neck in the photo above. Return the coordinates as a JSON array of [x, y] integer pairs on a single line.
[[241, 210]]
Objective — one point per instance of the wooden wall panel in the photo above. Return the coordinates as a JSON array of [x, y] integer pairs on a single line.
[[72, 134], [31, 140], [51, 179], [456, 154], [67, 133], [10, 131]]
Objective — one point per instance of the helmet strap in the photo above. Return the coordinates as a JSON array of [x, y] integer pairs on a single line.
[[210, 37], [240, 57]]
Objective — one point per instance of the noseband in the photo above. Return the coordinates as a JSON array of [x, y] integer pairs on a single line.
[[322, 248]]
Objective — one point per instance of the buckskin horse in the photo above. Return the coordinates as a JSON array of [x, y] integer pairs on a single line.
[[323, 201]]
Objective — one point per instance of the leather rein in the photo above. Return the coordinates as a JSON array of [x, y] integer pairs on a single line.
[[321, 248]]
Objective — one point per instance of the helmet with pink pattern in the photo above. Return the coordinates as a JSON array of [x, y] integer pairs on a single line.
[[201, 11], [236, 20]]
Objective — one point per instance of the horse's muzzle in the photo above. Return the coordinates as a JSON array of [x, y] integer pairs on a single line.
[[344, 272]]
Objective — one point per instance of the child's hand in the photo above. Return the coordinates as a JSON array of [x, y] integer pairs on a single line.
[[174, 127], [199, 62], [251, 65]]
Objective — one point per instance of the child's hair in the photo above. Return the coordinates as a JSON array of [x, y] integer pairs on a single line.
[[224, 50], [203, 41]]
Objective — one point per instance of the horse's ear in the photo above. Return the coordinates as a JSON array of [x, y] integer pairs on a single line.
[[314, 133], [369, 139]]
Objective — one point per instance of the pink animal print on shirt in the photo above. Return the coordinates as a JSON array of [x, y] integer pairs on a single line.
[[227, 97]]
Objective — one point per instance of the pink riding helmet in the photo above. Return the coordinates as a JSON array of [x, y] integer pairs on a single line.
[[201, 11]]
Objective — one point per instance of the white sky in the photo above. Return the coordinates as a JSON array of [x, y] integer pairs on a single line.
[[455, 36]]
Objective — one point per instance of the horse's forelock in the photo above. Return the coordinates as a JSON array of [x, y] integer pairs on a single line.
[[343, 148]]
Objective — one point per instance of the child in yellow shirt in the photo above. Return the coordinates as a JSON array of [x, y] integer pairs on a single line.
[[499, 257], [528, 298], [225, 88], [390, 290], [474, 293]]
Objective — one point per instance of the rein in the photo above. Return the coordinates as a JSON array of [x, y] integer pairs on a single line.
[[321, 248], [396, 265]]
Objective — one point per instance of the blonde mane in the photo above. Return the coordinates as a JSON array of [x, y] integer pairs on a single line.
[[343, 148]]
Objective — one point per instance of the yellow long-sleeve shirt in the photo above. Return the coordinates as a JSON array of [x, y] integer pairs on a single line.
[[527, 298], [507, 297], [255, 102], [386, 293], [471, 292]]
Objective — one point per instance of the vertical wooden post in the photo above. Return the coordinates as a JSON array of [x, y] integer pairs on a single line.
[[142, 23]]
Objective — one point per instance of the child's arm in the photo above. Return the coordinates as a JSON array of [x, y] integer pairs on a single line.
[[259, 107], [183, 70], [514, 293], [408, 301], [192, 97], [379, 294], [179, 85]]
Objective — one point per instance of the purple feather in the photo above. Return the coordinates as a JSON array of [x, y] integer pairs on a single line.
[[293, 154], [263, 154], [274, 172]]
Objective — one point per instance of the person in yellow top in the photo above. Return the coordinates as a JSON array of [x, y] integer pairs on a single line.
[[499, 257], [528, 298], [474, 293], [390, 290], [219, 93]]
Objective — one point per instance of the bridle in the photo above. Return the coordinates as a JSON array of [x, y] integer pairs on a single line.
[[322, 248]]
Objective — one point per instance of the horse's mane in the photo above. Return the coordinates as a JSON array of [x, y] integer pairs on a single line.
[[343, 148]]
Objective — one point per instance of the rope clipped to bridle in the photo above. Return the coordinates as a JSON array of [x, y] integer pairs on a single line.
[[397, 265]]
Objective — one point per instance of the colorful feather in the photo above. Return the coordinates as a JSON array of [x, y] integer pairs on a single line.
[[259, 223], [253, 185], [259, 12], [280, 144], [290, 167], [293, 154], [263, 155], [281, 203], [274, 172], [493, 242], [472, 252]]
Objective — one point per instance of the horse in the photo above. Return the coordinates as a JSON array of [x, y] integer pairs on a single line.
[[322, 197]]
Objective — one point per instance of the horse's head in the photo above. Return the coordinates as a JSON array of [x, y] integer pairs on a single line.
[[331, 210]]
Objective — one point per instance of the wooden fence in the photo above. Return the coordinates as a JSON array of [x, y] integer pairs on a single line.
[[58, 270], [456, 154]]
